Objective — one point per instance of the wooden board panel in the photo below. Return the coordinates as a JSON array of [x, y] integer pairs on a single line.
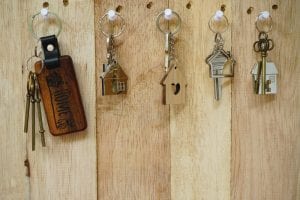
[[266, 143], [133, 129], [200, 129], [12, 148], [66, 168]]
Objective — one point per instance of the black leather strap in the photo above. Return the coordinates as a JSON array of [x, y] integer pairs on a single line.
[[52, 55]]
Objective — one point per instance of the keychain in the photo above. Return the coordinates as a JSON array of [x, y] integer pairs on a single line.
[[57, 83], [174, 82], [264, 73], [114, 79], [219, 58], [32, 98]]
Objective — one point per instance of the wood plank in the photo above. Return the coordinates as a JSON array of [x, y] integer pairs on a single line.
[[66, 168], [12, 148], [200, 129], [265, 131], [133, 129]]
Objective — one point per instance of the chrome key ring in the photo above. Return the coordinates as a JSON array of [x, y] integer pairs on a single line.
[[49, 14], [177, 28], [116, 34]]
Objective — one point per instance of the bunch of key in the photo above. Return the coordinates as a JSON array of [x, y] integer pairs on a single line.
[[32, 98]]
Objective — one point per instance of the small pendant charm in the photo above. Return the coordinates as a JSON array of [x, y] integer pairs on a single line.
[[174, 82], [114, 80]]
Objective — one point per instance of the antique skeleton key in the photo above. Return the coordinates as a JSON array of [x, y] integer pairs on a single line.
[[217, 62], [28, 99], [264, 73], [33, 117], [39, 111]]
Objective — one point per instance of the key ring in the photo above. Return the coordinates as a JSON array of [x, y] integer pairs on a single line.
[[46, 15], [112, 16], [38, 56], [218, 18], [265, 19], [32, 57], [168, 14]]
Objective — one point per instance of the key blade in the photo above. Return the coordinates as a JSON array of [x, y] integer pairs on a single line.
[[33, 125], [27, 113], [217, 88]]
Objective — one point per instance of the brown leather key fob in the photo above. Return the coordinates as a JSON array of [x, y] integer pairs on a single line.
[[59, 90]]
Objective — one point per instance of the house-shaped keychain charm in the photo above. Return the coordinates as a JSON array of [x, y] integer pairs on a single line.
[[271, 78], [114, 80], [174, 84], [218, 61]]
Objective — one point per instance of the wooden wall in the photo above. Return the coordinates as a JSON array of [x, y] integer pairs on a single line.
[[266, 130], [245, 147]]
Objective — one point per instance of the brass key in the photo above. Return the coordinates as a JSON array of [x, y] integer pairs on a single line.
[[33, 113], [263, 45], [38, 103], [28, 97]]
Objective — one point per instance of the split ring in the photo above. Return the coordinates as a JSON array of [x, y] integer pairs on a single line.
[[32, 57], [49, 14], [113, 34], [213, 22], [177, 28]]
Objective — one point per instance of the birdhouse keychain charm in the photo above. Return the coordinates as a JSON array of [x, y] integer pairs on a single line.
[[56, 81], [174, 82], [219, 59], [264, 73], [114, 79]]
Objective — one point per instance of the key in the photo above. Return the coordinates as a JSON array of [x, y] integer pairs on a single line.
[[217, 88], [263, 45], [28, 96], [33, 114], [39, 111], [217, 61], [263, 73], [258, 79]]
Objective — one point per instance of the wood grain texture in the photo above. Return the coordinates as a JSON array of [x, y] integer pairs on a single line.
[[12, 148], [133, 129], [66, 168], [200, 129], [265, 129]]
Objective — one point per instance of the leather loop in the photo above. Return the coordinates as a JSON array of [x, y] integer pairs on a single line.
[[51, 51]]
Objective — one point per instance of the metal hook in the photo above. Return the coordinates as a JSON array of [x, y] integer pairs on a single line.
[[262, 17]]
